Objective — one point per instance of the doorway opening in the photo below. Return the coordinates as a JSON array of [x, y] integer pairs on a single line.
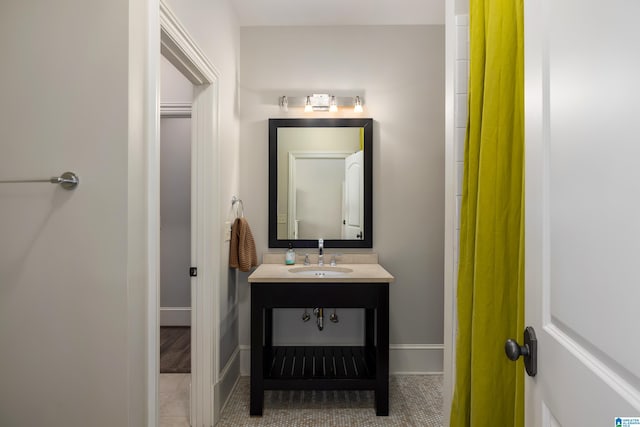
[[176, 93], [178, 48]]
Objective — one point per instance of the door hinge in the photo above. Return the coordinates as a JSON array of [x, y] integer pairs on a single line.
[[193, 271]]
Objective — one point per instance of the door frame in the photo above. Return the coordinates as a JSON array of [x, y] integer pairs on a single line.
[[346, 229], [291, 200], [450, 208], [180, 49]]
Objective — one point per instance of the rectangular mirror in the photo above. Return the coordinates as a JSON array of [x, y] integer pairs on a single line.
[[320, 183]]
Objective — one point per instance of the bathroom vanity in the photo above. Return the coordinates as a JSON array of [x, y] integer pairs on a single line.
[[360, 282]]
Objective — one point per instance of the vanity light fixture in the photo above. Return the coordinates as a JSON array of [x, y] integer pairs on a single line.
[[358, 105], [321, 102], [333, 104], [284, 104]]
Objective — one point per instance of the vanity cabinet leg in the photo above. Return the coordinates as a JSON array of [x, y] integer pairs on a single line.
[[382, 353], [369, 327], [256, 399], [268, 327]]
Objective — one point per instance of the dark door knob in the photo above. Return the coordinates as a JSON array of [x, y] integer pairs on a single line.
[[515, 350], [529, 351]]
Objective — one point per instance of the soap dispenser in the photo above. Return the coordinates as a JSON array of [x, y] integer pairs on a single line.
[[290, 257]]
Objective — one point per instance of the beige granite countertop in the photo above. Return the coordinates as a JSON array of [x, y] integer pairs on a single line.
[[365, 269]]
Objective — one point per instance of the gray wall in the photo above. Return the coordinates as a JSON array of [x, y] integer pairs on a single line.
[[400, 72], [175, 212], [175, 194]]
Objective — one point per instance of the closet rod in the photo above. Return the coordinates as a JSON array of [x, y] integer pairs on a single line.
[[67, 180]]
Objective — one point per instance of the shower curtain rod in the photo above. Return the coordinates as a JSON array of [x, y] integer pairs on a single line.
[[67, 180]]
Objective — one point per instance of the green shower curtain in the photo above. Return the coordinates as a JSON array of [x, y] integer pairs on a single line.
[[489, 387]]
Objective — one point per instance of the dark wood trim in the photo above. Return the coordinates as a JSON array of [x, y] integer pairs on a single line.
[[284, 366], [288, 368]]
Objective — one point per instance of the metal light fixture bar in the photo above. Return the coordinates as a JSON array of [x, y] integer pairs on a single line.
[[321, 102]]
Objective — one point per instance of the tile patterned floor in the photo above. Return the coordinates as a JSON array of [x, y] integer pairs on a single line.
[[415, 400], [174, 400]]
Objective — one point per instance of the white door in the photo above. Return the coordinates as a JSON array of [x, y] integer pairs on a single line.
[[353, 222], [582, 62]]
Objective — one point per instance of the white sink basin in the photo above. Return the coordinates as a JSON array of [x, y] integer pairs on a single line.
[[320, 271]]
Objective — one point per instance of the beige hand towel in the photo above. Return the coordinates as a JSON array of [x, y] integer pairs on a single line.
[[242, 253]]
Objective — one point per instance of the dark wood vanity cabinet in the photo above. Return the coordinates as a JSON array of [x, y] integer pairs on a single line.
[[320, 367]]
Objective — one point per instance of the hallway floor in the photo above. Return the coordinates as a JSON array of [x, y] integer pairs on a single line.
[[175, 349], [174, 400], [415, 400]]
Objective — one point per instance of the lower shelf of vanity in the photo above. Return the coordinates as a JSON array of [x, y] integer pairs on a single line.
[[319, 368]]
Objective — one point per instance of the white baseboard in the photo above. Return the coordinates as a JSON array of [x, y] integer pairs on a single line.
[[404, 359], [415, 359], [175, 316], [245, 360], [227, 383]]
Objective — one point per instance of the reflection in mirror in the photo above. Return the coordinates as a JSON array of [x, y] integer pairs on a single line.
[[313, 196], [318, 180]]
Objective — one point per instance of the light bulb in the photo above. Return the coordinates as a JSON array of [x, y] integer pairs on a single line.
[[358, 105], [333, 105], [284, 104]]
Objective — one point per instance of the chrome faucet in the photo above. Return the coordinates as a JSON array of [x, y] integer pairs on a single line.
[[334, 261], [319, 312], [320, 252]]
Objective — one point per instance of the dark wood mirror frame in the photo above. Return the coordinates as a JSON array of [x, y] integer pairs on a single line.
[[274, 125]]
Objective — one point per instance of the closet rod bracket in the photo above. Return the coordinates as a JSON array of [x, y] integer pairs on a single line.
[[67, 180]]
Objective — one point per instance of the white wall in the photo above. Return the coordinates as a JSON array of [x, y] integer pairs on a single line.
[[461, 7], [400, 72], [461, 84], [457, 76], [72, 263], [174, 86]]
